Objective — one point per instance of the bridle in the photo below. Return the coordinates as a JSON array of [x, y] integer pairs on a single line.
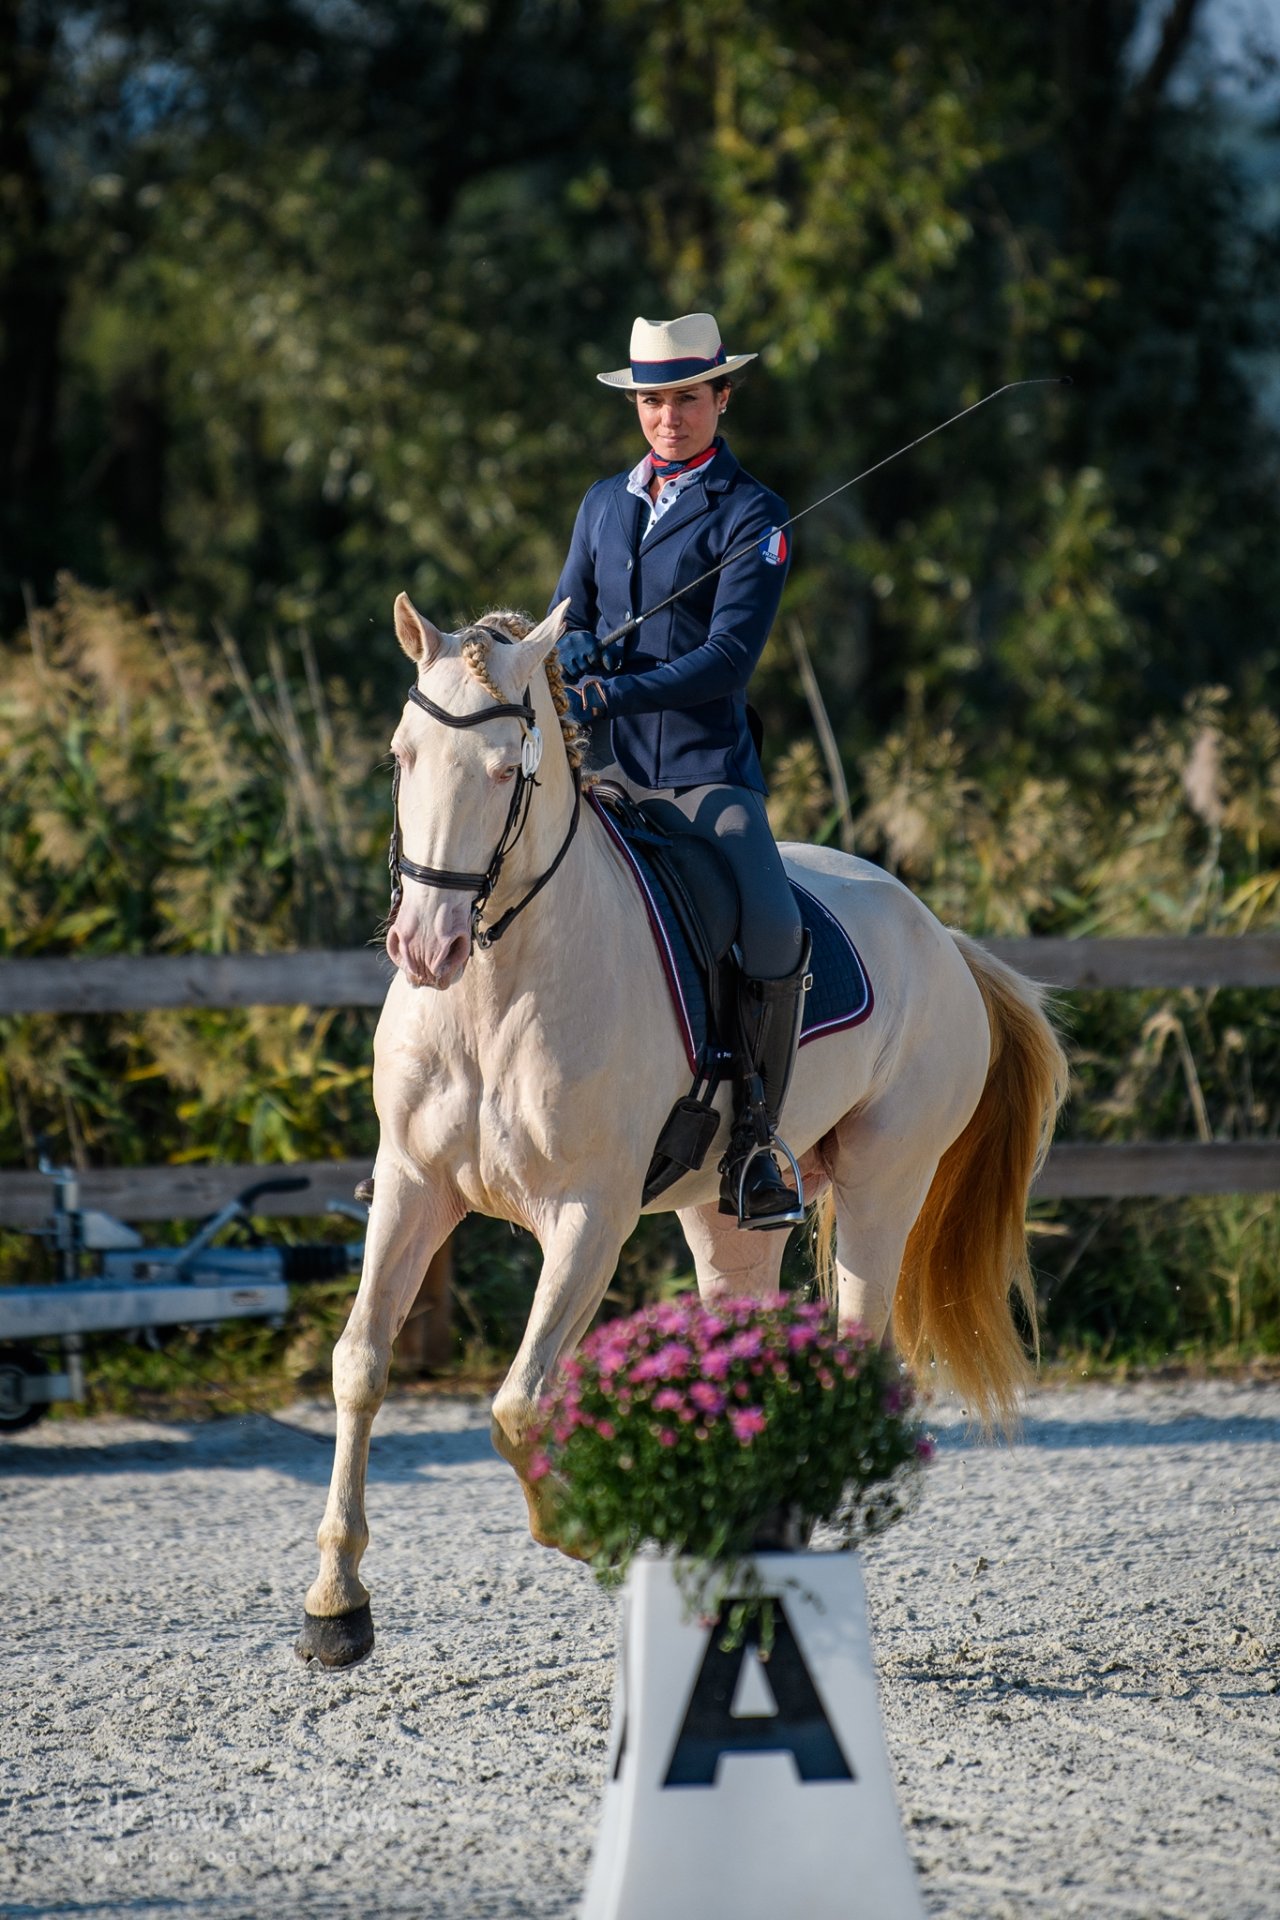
[[481, 885]]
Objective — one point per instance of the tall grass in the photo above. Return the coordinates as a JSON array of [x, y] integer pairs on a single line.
[[153, 798], [1187, 840]]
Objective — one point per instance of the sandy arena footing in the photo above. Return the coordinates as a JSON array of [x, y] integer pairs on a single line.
[[1078, 1642]]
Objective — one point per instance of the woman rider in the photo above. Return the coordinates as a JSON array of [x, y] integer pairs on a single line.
[[674, 691]]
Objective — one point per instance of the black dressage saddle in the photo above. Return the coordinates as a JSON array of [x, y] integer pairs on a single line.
[[703, 897], [695, 912], [698, 880]]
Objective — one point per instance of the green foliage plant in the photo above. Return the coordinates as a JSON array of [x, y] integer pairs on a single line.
[[1183, 839], [157, 798]]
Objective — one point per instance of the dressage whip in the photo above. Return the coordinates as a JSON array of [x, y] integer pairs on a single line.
[[629, 626]]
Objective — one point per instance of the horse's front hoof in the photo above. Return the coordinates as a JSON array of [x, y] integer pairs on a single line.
[[336, 1640]]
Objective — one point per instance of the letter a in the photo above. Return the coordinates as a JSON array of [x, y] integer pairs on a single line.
[[800, 1727]]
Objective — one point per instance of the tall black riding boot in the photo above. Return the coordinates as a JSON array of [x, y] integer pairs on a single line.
[[770, 1013]]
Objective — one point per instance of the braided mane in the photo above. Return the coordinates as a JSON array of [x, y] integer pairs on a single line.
[[477, 646]]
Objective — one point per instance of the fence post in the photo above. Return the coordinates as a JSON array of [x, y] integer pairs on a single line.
[[425, 1341]]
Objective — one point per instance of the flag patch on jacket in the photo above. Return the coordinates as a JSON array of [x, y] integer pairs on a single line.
[[773, 548]]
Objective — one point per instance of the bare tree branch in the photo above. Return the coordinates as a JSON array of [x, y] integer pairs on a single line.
[[825, 732], [1174, 35]]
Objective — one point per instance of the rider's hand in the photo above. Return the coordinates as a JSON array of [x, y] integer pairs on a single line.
[[587, 702], [611, 656], [578, 653]]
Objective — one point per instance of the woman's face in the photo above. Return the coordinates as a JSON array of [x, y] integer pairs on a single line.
[[679, 422]]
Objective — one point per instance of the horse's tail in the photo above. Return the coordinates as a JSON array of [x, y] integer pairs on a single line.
[[966, 1255]]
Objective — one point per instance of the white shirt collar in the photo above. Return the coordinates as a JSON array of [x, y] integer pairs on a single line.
[[640, 478]]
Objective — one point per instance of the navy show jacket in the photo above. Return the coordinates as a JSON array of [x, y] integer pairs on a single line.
[[678, 703]]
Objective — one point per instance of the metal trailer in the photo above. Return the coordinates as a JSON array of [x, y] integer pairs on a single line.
[[110, 1281]]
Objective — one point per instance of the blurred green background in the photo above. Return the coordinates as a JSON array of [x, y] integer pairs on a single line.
[[301, 304]]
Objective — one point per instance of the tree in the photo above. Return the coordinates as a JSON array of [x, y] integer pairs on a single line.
[[324, 292]]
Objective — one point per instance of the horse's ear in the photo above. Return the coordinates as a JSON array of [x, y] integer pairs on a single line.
[[420, 640], [530, 653]]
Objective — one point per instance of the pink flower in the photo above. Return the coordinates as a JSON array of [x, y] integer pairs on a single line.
[[705, 1397], [538, 1468], [746, 1344], [674, 1359], [606, 1429], [668, 1400], [650, 1368], [666, 1438], [746, 1423], [715, 1363], [925, 1447]]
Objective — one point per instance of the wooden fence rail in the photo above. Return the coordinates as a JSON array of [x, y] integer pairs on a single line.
[[1075, 1170], [359, 978], [127, 983]]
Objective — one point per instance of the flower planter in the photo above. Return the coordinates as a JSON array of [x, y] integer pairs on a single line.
[[748, 1787]]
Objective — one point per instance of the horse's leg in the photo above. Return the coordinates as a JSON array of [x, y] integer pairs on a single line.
[[409, 1220], [731, 1263], [880, 1175], [580, 1253]]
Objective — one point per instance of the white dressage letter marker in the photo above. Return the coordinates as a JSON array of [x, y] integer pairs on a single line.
[[747, 1786]]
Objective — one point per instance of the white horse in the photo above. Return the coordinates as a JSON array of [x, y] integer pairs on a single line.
[[529, 1079]]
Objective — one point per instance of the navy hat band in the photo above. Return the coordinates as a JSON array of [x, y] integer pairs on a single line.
[[669, 373]]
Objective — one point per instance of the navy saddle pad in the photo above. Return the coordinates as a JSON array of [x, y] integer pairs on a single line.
[[841, 994]]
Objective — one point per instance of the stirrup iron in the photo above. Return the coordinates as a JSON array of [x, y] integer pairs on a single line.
[[794, 1215]]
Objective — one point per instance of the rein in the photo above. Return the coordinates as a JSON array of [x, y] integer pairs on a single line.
[[482, 885]]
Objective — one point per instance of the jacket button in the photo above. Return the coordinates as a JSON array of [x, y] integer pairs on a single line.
[[629, 565]]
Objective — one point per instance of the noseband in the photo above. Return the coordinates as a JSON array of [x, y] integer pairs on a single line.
[[481, 885]]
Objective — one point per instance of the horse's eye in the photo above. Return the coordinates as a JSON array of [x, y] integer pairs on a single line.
[[504, 776]]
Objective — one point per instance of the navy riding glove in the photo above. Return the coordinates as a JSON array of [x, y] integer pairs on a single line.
[[587, 702], [577, 653]]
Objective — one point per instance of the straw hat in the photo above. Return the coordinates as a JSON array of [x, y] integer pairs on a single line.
[[674, 353]]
